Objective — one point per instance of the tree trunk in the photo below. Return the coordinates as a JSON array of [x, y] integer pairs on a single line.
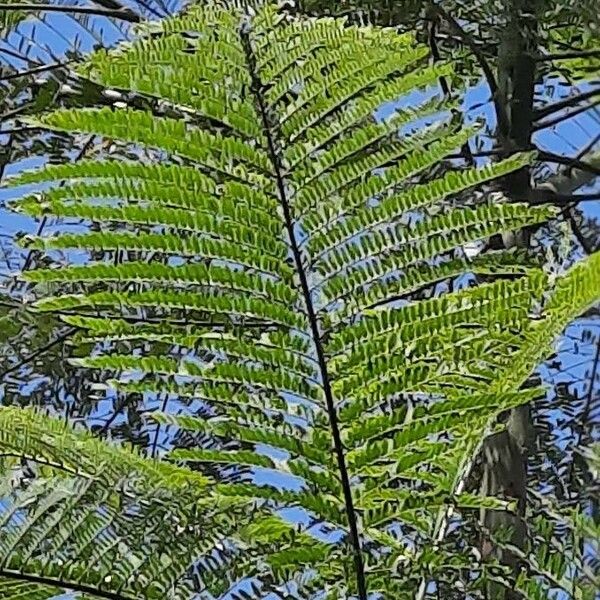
[[504, 454]]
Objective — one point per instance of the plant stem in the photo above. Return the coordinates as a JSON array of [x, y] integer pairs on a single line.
[[257, 89]]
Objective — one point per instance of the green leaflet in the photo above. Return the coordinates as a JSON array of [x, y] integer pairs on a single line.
[[250, 429], [167, 243], [81, 453], [272, 349], [97, 507], [345, 180], [165, 275], [188, 84], [215, 152], [234, 457], [388, 507], [573, 294], [259, 265], [323, 58], [443, 418], [416, 197], [368, 137], [240, 306], [364, 267], [446, 311], [10, 590], [422, 274], [456, 408], [359, 113], [116, 171], [312, 107], [139, 191], [152, 216]]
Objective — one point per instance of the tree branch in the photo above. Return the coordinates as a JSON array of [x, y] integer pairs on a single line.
[[37, 353], [444, 85], [546, 111], [567, 55], [6, 152], [575, 227], [121, 14], [546, 196], [570, 179], [19, 56], [33, 71], [435, 54], [576, 163], [581, 423], [24, 129], [481, 59], [113, 4], [41, 461], [62, 584], [146, 319], [560, 118]]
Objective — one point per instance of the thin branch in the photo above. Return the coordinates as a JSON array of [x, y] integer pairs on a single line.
[[546, 111], [20, 56], [163, 408], [590, 145], [123, 15], [569, 179], [15, 112], [10, 305], [24, 129], [499, 152], [37, 353], [62, 584], [486, 46], [435, 54], [118, 408], [256, 88], [467, 41], [576, 228], [30, 254], [567, 55], [466, 153], [153, 320], [6, 152], [585, 412], [47, 463], [575, 163], [33, 71], [545, 196], [481, 59], [565, 117], [113, 4]]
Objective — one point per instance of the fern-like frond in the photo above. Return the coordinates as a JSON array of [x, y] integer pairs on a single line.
[[79, 515], [264, 258]]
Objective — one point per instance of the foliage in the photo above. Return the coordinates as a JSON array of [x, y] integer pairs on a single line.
[[281, 241], [36, 75], [564, 26], [79, 515], [567, 557]]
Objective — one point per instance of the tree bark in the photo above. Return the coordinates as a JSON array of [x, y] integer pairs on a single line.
[[504, 454]]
